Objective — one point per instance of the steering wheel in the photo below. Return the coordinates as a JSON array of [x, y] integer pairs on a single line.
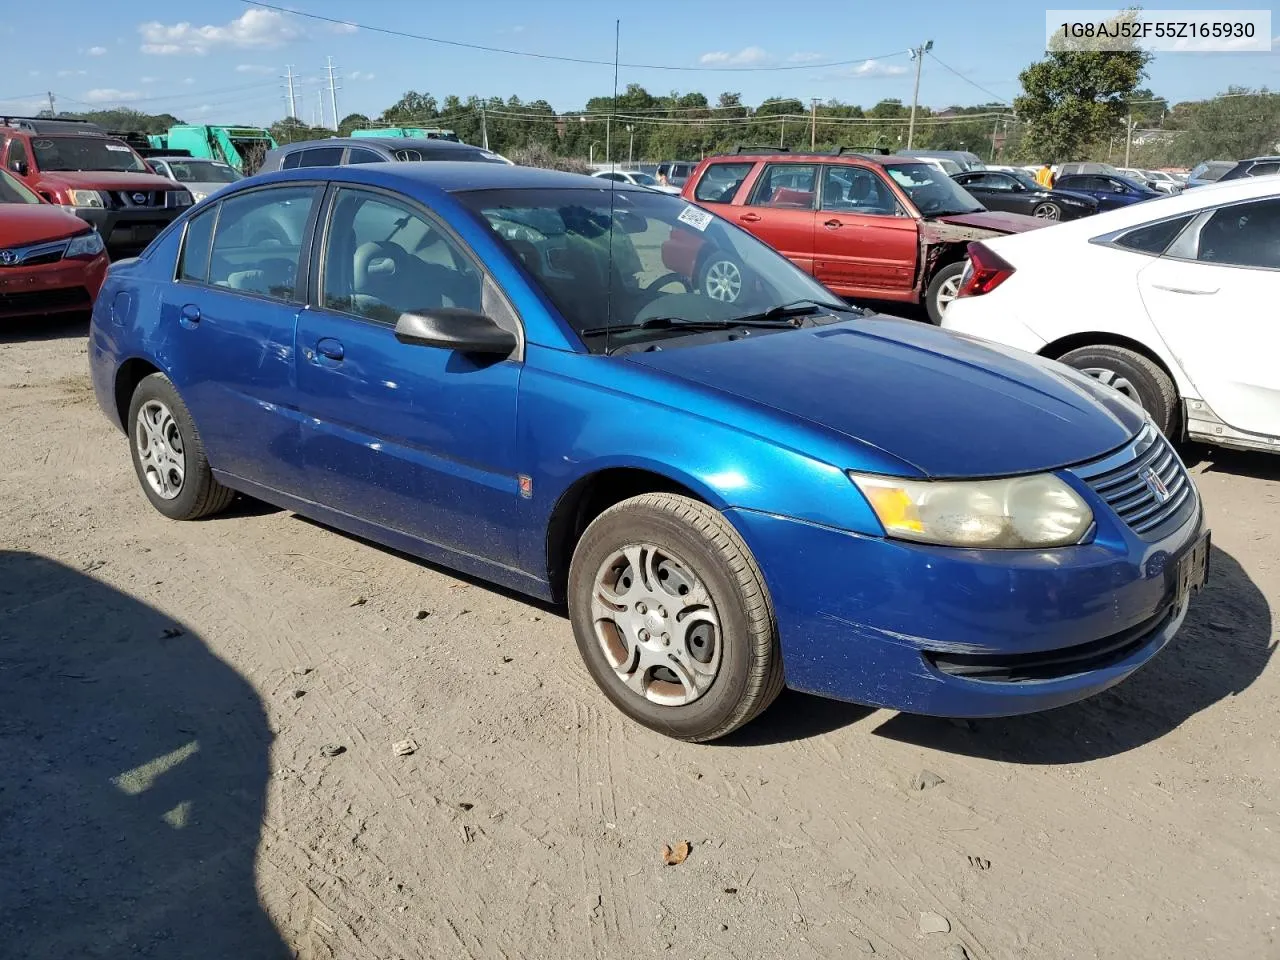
[[666, 278], [366, 253]]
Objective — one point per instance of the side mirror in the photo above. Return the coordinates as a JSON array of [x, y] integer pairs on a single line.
[[454, 329], [21, 168]]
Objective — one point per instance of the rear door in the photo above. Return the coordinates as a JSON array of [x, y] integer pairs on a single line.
[[1212, 298], [230, 319], [865, 244], [780, 210]]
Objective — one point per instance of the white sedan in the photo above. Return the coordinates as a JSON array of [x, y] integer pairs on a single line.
[[1171, 302], [637, 178]]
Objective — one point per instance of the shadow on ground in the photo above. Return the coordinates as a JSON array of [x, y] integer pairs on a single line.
[[1260, 466], [133, 783], [60, 327], [1223, 646]]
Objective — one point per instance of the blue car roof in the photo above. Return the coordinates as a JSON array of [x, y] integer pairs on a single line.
[[446, 176]]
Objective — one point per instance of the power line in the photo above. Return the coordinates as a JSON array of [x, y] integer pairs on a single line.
[[996, 96], [705, 68]]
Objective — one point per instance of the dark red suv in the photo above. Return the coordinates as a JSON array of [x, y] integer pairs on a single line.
[[867, 226]]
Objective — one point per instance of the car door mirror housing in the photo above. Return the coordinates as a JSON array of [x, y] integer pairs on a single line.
[[21, 168], [452, 328]]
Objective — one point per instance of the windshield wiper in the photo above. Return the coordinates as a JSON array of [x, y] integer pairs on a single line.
[[680, 323], [794, 309]]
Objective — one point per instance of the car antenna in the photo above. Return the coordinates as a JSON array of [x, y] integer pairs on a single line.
[[613, 185]]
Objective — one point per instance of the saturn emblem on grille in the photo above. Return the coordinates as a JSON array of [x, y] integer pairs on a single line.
[[7, 257], [1155, 485], [139, 198]]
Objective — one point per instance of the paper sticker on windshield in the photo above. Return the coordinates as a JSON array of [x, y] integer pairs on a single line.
[[698, 219], [117, 147]]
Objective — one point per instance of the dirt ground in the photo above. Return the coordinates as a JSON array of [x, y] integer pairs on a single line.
[[167, 691]]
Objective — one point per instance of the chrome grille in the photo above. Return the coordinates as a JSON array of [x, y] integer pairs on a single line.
[[1144, 483], [134, 199], [33, 255]]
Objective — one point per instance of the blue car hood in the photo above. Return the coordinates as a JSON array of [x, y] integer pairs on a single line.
[[949, 405]]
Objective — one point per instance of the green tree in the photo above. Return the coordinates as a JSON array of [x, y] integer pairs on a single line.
[[1077, 96], [352, 121]]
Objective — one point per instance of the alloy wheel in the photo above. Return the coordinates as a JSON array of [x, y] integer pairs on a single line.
[[1113, 380], [723, 281], [161, 453], [1046, 211]]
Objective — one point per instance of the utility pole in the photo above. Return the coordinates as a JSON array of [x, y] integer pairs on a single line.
[[994, 131], [631, 145], [1128, 136], [484, 127], [917, 54], [333, 95], [813, 123], [53, 110], [293, 103], [782, 135]]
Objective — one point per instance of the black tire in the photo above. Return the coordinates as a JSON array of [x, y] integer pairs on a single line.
[[750, 675], [1047, 211], [947, 274], [199, 495], [1147, 383], [719, 264]]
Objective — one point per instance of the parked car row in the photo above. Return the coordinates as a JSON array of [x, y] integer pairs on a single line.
[[601, 395]]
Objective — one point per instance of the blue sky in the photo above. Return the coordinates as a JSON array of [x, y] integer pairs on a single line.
[[222, 60]]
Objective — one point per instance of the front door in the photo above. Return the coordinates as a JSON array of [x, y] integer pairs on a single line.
[[419, 440], [780, 210], [864, 244], [1214, 307], [229, 322]]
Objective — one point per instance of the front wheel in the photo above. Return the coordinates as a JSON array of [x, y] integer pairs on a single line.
[[672, 617], [942, 290], [168, 455], [1137, 376], [1047, 211]]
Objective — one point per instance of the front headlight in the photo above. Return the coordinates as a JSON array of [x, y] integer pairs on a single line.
[[85, 198], [198, 195], [1020, 512], [179, 198], [86, 245]]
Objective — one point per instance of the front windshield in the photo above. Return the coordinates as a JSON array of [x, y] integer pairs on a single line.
[[665, 261], [1026, 180], [11, 191], [1210, 171], [202, 171], [932, 191], [85, 153]]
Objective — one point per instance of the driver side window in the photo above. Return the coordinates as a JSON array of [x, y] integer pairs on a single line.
[[383, 259]]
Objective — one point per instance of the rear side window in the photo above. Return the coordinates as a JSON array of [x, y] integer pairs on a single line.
[[788, 185], [193, 265], [362, 156], [1242, 235], [259, 239], [1264, 169], [720, 182], [321, 157], [1154, 238], [292, 160]]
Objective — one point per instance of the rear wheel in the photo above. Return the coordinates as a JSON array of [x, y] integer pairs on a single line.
[[942, 290], [1135, 375], [168, 455], [672, 618]]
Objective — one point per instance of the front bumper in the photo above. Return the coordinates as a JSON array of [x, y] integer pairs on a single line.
[[128, 230], [966, 633], [66, 286]]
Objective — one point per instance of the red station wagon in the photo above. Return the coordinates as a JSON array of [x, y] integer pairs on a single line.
[[875, 227]]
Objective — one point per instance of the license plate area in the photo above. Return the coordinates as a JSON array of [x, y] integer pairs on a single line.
[[1191, 573]]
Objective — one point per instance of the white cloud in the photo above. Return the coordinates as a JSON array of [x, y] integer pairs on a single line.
[[746, 57], [33, 73], [253, 68], [146, 79], [801, 57], [361, 75], [97, 51], [188, 81], [874, 68], [73, 73], [110, 95], [343, 27], [254, 28]]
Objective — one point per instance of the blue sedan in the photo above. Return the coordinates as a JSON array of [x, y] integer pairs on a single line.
[[1111, 192], [513, 372]]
